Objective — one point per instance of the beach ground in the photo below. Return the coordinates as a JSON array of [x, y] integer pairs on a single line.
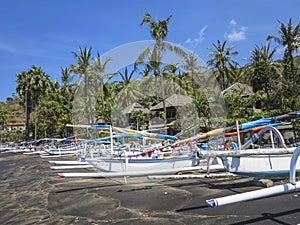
[[32, 193]]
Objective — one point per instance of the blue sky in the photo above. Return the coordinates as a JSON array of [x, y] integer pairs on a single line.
[[45, 32]]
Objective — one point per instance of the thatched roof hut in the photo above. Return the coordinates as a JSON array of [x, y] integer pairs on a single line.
[[236, 87], [136, 107], [174, 100]]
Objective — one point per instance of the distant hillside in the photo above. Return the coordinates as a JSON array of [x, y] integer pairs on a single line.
[[13, 110]]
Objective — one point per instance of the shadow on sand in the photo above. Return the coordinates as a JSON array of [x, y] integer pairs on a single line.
[[269, 217]]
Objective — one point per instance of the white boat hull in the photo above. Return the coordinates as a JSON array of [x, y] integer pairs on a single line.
[[261, 165], [173, 164]]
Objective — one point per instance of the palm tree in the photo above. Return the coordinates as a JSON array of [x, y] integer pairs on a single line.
[[264, 71], [97, 70], [289, 37], [99, 78], [66, 78], [262, 61], [130, 88], [222, 61], [81, 69], [169, 71], [159, 32], [23, 92], [126, 76], [65, 99], [40, 83], [32, 86], [192, 68], [83, 61]]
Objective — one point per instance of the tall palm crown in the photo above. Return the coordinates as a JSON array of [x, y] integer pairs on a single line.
[[66, 77], [32, 85], [262, 54], [264, 71], [126, 76], [82, 69], [97, 70], [221, 61], [289, 37], [158, 30], [83, 61]]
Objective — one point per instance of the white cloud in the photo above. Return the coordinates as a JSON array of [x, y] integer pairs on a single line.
[[232, 22], [236, 36], [188, 41], [236, 33], [195, 41], [7, 48]]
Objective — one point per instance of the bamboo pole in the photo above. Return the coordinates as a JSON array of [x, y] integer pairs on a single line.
[[240, 153]]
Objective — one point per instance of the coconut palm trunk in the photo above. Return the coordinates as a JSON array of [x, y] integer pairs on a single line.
[[159, 32]]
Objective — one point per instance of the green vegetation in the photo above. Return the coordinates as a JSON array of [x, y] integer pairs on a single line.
[[47, 106]]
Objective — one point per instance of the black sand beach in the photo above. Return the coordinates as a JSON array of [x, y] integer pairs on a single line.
[[31, 193]]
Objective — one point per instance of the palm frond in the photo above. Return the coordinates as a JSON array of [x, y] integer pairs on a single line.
[[141, 58]]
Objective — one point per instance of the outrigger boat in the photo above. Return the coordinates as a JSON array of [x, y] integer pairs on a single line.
[[264, 161], [147, 161], [250, 159], [291, 186]]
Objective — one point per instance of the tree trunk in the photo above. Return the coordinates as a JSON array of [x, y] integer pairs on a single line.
[[164, 103], [35, 123], [27, 114]]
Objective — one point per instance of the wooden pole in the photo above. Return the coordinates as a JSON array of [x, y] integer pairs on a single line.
[[238, 134], [239, 153]]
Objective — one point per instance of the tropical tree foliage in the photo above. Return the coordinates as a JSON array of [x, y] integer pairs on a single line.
[[84, 104], [139, 120], [153, 57], [264, 73], [3, 118], [222, 63], [49, 106], [57, 106], [32, 86], [289, 38]]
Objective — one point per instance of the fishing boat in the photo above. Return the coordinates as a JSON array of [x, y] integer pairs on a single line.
[[141, 159], [271, 160], [54, 151], [263, 163], [291, 186], [248, 159], [150, 162]]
